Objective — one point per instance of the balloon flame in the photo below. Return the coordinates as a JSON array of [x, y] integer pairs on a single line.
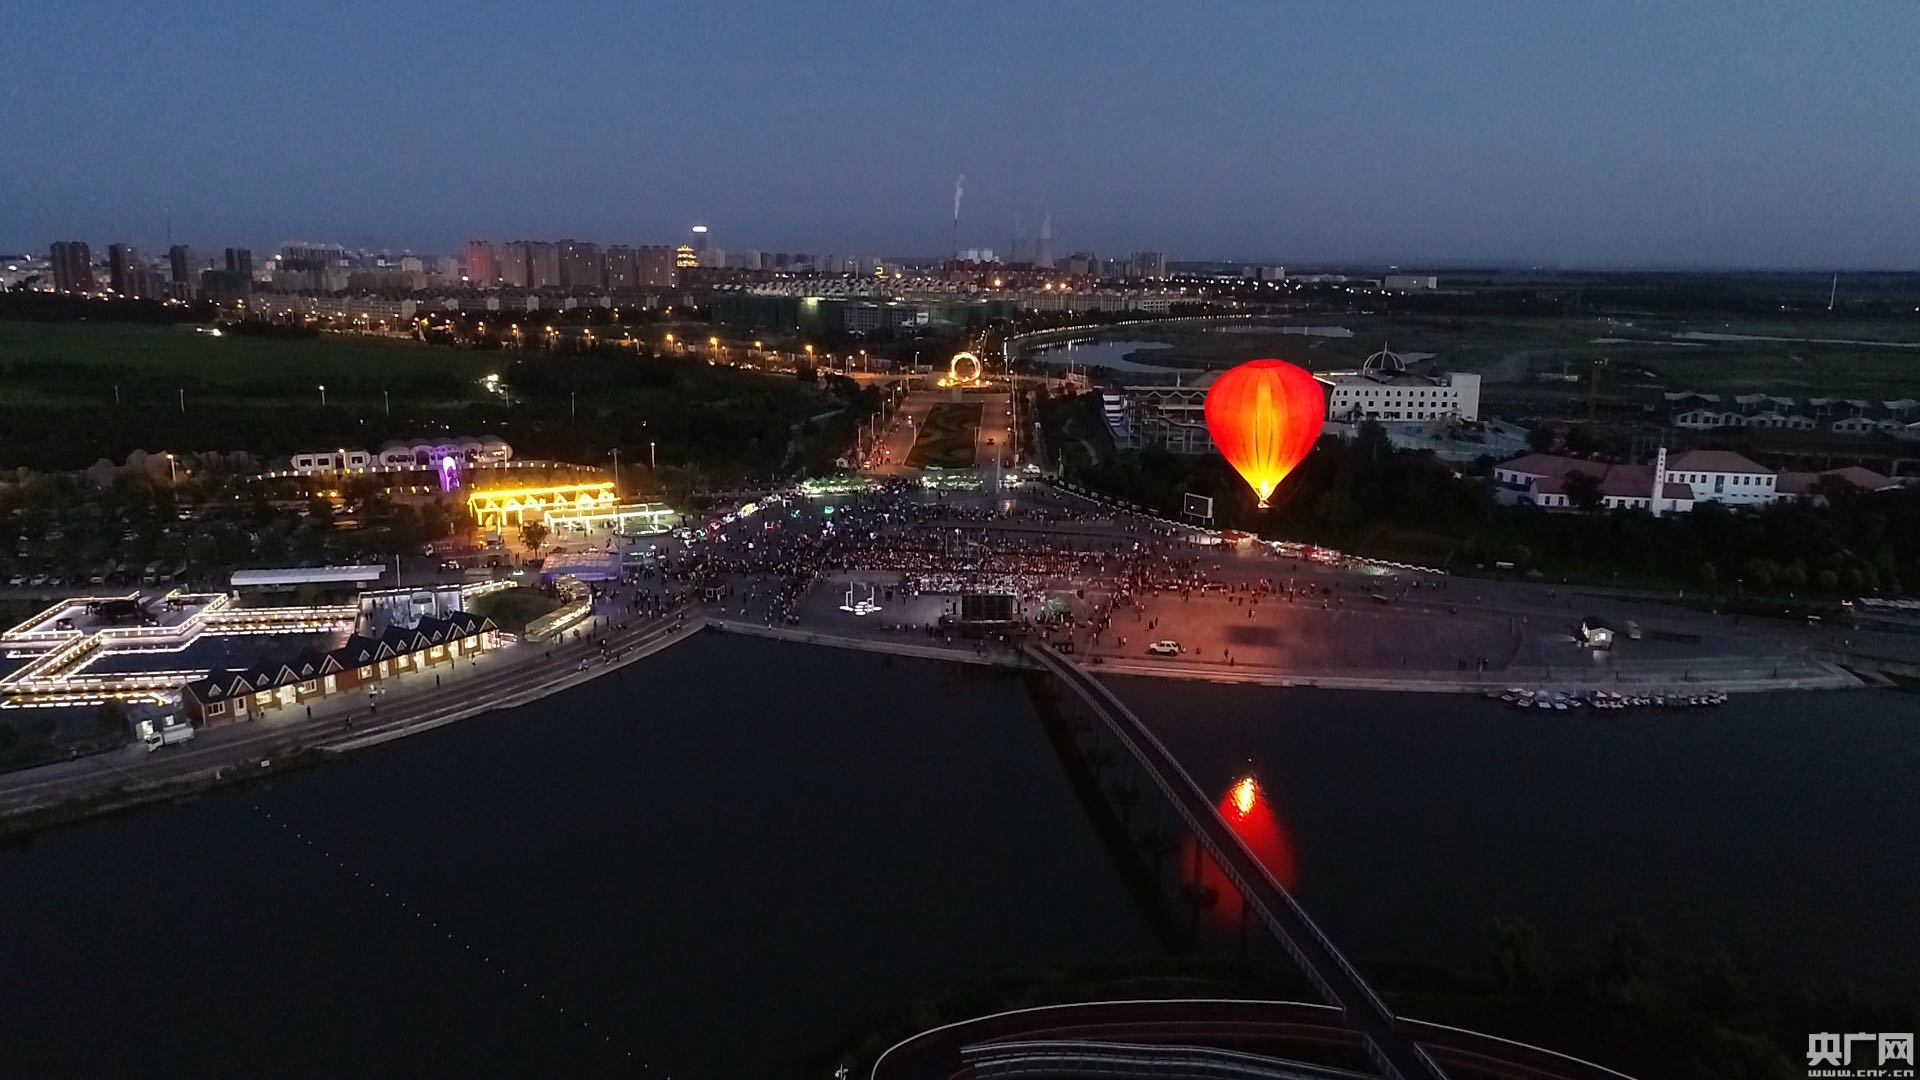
[[1245, 794]]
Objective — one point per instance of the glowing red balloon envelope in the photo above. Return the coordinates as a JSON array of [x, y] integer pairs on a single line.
[[1265, 415]]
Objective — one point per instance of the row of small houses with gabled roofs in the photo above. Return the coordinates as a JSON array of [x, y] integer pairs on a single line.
[[1846, 416], [1692, 477], [226, 696]]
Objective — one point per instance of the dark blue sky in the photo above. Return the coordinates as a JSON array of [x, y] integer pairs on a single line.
[[1740, 134]]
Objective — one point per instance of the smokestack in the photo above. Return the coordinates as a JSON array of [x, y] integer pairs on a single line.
[[959, 189]]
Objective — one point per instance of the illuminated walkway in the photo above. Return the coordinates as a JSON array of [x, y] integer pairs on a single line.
[[59, 650]]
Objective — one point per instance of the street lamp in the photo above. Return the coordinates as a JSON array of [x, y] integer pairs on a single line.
[[323, 395], [173, 474]]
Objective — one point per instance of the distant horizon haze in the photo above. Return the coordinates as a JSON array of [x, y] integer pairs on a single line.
[[1762, 136]]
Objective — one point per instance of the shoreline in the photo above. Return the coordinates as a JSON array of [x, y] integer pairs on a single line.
[[335, 744], [237, 768], [1833, 677]]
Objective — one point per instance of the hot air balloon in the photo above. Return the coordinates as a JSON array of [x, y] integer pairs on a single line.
[[1265, 415]]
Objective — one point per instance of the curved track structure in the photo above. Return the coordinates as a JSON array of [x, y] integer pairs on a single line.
[[1204, 1037]]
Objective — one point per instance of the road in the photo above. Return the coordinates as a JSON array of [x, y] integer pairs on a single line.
[[992, 439]]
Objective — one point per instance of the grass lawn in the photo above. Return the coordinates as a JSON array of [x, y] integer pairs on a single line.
[[512, 609], [43, 363], [946, 440], [1642, 352]]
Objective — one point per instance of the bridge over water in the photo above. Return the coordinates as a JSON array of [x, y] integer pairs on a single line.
[[1388, 1046]]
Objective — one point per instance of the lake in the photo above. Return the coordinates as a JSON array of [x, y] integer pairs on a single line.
[[1783, 821], [728, 858], [724, 860], [1104, 353]]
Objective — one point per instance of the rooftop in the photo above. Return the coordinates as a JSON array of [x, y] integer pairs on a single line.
[[1805, 483], [307, 575], [1715, 461]]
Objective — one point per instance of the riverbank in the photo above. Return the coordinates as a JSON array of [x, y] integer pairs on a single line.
[[32, 800], [674, 634], [1732, 677], [959, 653], [530, 677]]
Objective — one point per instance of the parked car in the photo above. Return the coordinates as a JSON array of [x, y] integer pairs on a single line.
[[1167, 647]]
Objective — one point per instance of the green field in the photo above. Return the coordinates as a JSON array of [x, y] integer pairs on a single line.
[[1644, 356], [73, 393], [512, 609], [45, 363], [946, 440]]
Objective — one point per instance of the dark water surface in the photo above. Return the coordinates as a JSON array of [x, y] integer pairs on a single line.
[[1785, 822], [729, 857], [725, 858]]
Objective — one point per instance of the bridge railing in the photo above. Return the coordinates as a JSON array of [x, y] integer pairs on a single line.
[[1189, 800], [1133, 729]]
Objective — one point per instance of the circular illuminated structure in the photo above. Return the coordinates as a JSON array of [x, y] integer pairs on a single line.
[[964, 369]]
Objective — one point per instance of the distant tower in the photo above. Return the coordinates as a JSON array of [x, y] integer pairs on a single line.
[[1043, 253], [1019, 246]]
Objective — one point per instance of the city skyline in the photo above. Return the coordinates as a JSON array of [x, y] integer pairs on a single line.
[[1608, 136]]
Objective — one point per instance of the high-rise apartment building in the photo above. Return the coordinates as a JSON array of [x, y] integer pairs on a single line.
[[543, 265], [240, 261], [72, 266], [183, 273], [619, 267], [127, 274], [513, 265], [581, 267], [483, 265], [1148, 264], [655, 266]]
